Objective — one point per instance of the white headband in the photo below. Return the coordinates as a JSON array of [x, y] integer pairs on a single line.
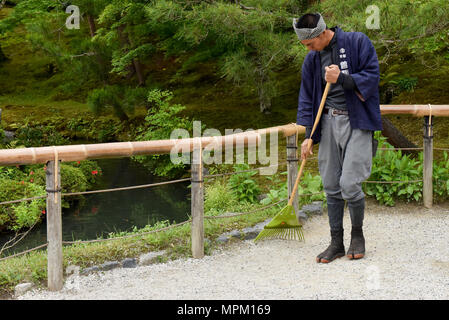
[[310, 33]]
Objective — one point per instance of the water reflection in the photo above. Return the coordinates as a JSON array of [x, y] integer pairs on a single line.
[[116, 211]]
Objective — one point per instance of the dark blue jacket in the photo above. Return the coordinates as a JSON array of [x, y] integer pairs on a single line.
[[361, 63]]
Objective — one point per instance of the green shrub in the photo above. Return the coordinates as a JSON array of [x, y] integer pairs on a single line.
[[38, 134], [389, 165], [90, 170], [13, 173], [242, 185], [308, 185], [20, 182], [161, 120], [72, 179], [23, 214], [441, 177], [407, 84], [218, 196]]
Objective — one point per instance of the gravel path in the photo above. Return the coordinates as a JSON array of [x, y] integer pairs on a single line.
[[407, 258]]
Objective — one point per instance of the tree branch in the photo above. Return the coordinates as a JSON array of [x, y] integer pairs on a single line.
[[242, 6], [13, 240]]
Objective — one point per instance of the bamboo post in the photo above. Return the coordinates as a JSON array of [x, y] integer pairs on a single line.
[[197, 203], [54, 227], [428, 162], [292, 170]]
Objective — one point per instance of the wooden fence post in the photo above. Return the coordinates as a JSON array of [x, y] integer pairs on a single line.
[[428, 162], [292, 171], [54, 227], [197, 203]]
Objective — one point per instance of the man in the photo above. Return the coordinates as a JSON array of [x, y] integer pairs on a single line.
[[351, 114]]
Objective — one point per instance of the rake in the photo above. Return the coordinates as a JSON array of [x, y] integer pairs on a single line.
[[285, 224]]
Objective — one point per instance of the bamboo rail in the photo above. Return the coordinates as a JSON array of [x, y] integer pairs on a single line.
[[24, 156], [417, 110]]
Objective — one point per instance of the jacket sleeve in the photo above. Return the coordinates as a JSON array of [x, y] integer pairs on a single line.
[[305, 100], [367, 78]]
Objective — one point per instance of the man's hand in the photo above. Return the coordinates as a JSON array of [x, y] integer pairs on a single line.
[[305, 151], [332, 73]]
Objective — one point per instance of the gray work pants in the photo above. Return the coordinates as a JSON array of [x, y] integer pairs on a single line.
[[344, 157]]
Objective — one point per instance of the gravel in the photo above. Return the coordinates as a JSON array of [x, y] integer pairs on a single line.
[[407, 258]]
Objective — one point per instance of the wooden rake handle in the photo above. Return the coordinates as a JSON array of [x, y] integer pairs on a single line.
[[303, 162]]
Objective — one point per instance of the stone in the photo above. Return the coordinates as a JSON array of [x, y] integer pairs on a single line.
[[150, 257], [253, 232], [314, 208], [72, 269], [247, 233], [222, 238], [22, 288], [109, 265], [89, 270], [236, 234], [129, 263], [262, 224], [250, 233]]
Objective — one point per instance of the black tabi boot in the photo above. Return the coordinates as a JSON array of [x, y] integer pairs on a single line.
[[335, 250], [357, 247]]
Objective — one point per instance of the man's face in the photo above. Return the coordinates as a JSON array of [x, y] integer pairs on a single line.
[[316, 44]]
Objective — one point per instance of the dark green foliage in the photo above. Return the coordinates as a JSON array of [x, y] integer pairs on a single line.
[[243, 185], [38, 135], [391, 165], [108, 96]]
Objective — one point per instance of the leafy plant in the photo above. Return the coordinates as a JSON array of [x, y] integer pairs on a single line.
[[32, 135], [441, 177], [407, 84], [161, 120], [275, 195], [310, 189], [218, 196], [242, 184], [23, 214], [389, 165]]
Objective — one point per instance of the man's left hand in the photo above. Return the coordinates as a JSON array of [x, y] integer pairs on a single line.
[[332, 73]]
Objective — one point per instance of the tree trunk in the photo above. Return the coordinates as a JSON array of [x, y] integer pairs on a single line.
[[396, 138], [92, 27], [118, 109], [264, 98], [265, 102], [138, 68], [2, 55]]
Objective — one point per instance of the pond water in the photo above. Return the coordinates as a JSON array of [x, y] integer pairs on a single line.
[[102, 213]]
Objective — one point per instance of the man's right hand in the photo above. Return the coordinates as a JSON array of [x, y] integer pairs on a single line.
[[305, 150]]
